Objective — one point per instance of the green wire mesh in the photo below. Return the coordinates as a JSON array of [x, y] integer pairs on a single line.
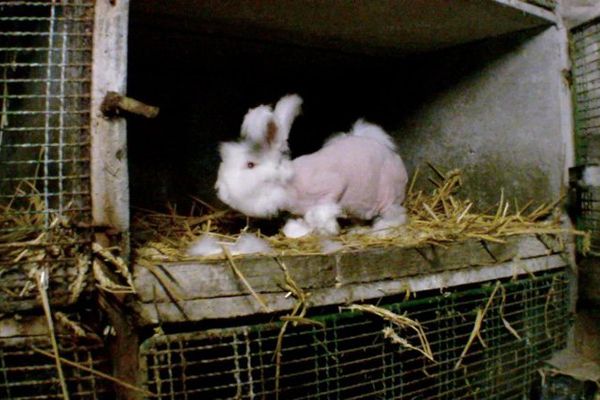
[[588, 218], [45, 85], [349, 358], [26, 375], [585, 50]]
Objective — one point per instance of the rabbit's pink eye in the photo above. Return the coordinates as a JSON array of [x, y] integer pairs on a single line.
[[251, 164]]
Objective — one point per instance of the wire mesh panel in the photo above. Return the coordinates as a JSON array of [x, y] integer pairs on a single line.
[[589, 214], [522, 322], [586, 77], [45, 70], [27, 375]]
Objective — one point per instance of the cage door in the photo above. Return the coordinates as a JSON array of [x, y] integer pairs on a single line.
[[63, 169], [45, 192], [585, 52], [586, 88]]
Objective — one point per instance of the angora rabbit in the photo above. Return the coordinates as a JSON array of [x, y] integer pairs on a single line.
[[356, 174]]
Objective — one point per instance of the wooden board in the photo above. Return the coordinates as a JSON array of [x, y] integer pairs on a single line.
[[400, 27], [212, 290]]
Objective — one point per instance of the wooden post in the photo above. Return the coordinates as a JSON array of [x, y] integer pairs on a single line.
[[109, 175], [110, 180]]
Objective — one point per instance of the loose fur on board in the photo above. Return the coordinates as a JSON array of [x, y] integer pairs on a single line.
[[247, 243]]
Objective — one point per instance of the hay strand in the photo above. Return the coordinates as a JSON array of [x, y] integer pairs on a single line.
[[437, 218], [551, 293], [31, 236], [167, 281], [95, 372], [70, 325], [105, 282], [42, 283], [476, 332], [243, 279], [76, 288], [505, 322], [295, 317], [117, 262], [389, 333], [400, 321]]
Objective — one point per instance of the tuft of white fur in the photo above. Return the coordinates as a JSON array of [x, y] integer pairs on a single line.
[[368, 130], [329, 246], [323, 218], [260, 190], [248, 243], [205, 245], [591, 176], [257, 192], [296, 228], [393, 217], [362, 128]]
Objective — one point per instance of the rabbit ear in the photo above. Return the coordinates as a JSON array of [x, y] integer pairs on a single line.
[[259, 125], [272, 133], [271, 128], [286, 110]]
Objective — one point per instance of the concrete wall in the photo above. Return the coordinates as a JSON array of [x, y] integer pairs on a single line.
[[491, 108], [577, 12]]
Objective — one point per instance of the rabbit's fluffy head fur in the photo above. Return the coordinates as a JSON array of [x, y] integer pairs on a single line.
[[255, 171]]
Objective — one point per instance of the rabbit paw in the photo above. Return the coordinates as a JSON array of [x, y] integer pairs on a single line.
[[389, 221], [323, 218], [295, 228]]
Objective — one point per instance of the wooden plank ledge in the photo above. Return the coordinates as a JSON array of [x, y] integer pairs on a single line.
[[210, 289], [239, 306]]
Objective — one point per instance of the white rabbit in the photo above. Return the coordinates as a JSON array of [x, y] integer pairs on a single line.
[[358, 174]]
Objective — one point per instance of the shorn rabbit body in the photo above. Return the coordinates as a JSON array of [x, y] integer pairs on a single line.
[[356, 174]]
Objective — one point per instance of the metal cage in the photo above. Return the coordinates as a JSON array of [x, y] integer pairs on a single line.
[[349, 357], [27, 375], [589, 214], [45, 80], [585, 50]]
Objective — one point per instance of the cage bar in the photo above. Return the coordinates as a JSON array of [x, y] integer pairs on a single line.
[[45, 75], [585, 50], [586, 79], [350, 358], [26, 375]]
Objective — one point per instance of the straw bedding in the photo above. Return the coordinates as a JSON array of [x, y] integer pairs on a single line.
[[31, 239], [438, 217]]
